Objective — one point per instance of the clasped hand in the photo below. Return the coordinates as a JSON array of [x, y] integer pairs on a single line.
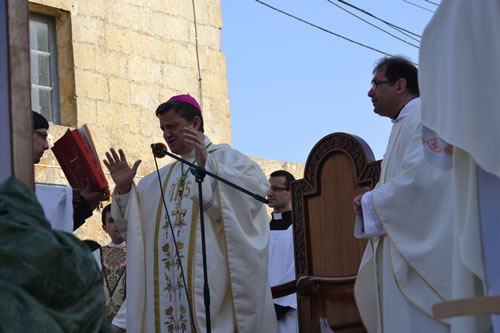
[[356, 203]]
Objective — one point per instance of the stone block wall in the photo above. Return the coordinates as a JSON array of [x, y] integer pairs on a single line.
[[118, 60]]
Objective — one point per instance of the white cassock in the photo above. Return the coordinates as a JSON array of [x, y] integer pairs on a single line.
[[282, 270], [460, 79], [237, 238], [405, 268]]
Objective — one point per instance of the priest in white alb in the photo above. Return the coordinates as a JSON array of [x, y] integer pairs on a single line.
[[405, 268], [165, 289]]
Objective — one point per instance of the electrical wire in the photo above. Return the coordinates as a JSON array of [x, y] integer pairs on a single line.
[[404, 31], [435, 4], [416, 5], [373, 25], [197, 55], [323, 29]]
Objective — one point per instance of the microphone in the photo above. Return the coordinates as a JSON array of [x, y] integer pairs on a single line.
[[159, 149]]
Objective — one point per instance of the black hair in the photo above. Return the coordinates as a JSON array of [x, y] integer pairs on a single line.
[[282, 173], [39, 121], [397, 67], [92, 244], [183, 109], [104, 212]]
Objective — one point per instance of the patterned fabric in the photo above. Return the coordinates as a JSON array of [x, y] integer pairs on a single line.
[[114, 264], [176, 315]]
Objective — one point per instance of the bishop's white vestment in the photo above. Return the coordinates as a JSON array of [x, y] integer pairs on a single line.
[[237, 237], [405, 268], [460, 80]]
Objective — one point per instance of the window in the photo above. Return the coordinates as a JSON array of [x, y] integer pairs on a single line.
[[44, 70]]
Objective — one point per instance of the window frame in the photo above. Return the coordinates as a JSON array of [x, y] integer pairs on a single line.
[[54, 114]]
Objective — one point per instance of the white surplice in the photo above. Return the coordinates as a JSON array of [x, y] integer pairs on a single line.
[[282, 270], [237, 237], [460, 79], [405, 268]]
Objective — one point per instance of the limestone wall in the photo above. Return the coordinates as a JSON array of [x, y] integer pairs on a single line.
[[119, 59]]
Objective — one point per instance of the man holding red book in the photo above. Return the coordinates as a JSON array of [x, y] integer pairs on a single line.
[[89, 199]]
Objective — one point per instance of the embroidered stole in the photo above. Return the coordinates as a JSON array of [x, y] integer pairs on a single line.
[[114, 262], [171, 304]]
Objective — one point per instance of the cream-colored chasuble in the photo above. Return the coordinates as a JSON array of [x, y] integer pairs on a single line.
[[407, 270], [460, 79], [237, 237]]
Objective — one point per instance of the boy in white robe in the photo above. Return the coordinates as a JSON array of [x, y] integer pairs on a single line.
[[112, 261]]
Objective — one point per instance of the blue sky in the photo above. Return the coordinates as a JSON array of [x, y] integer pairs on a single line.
[[291, 84]]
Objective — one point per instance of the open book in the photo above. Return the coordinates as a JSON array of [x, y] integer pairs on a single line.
[[77, 156]]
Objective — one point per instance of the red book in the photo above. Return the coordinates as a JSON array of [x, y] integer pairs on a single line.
[[76, 154]]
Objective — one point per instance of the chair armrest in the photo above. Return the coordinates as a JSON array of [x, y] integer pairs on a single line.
[[284, 289], [309, 285]]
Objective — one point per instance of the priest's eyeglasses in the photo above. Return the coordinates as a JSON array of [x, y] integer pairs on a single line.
[[376, 83], [278, 189], [43, 135]]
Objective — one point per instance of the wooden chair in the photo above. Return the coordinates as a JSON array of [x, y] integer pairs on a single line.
[[327, 255]]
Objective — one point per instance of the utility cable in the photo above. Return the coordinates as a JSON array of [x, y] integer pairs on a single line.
[[416, 5], [400, 29], [197, 56], [373, 25], [435, 4], [323, 29]]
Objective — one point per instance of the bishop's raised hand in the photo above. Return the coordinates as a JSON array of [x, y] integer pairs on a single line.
[[196, 139], [122, 174]]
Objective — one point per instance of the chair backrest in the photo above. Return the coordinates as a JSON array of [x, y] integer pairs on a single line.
[[338, 168]]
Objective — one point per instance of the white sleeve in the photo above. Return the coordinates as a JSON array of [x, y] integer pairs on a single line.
[[120, 319], [369, 225], [118, 210], [97, 257], [122, 201]]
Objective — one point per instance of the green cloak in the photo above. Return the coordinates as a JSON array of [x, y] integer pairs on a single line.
[[49, 280]]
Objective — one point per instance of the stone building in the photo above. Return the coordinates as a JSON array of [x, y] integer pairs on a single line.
[[108, 64]]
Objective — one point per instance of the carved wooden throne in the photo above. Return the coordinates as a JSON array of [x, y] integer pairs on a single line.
[[327, 255]]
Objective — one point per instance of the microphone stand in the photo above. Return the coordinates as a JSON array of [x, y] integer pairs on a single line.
[[199, 173]]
